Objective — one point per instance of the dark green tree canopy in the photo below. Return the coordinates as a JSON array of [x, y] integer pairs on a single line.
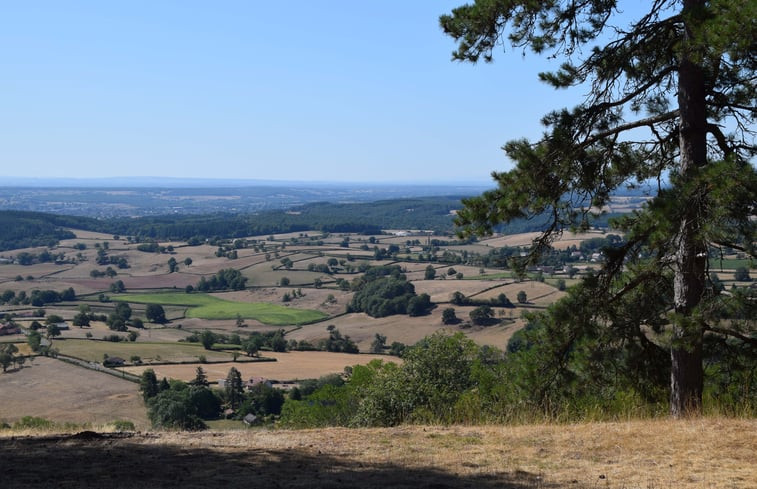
[[671, 96]]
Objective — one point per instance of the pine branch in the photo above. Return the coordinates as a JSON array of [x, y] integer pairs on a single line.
[[626, 127], [735, 334]]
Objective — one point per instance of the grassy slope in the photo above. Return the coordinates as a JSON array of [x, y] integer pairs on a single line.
[[205, 306], [688, 454]]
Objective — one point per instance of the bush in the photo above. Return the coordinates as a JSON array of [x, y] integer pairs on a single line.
[[33, 423], [155, 313], [122, 425]]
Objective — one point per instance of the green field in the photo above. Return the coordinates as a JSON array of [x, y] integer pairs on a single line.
[[204, 306], [728, 264], [149, 352]]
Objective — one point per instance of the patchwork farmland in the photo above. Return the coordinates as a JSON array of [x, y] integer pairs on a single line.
[[297, 286]]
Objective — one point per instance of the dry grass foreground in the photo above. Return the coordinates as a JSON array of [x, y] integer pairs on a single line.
[[698, 453]]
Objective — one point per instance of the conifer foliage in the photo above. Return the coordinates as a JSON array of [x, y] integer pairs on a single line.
[[672, 96]]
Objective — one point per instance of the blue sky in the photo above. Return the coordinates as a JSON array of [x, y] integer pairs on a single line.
[[300, 90]]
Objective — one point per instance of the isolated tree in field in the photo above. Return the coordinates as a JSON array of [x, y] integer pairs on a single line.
[[34, 339], [53, 319], [117, 286], [448, 316], [250, 347], [522, 297], [123, 311], [207, 338], [7, 351], [187, 261], [481, 315], [53, 330], [671, 95], [5, 360], [155, 313], [430, 273], [378, 344], [81, 319]]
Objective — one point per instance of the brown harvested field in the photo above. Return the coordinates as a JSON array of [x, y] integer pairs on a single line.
[[61, 392], [538, 293], [313, 298], [225, 326], [286, 236], [211, 266], [81, 234], [99, 329], [362, 328], [262, 275], [163, 281], [710, 453], [525, 239], [497, 335], [442, 290], [292, 365], [8, 274]]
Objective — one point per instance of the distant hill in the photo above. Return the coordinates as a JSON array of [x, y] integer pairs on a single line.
[[29, 229], [20, 229]]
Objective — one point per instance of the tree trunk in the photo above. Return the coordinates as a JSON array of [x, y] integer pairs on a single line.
[[686, 374]]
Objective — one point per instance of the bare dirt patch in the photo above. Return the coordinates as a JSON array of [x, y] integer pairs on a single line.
[[61, 392]]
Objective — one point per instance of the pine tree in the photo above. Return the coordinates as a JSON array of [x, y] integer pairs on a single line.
[[201, 379], [671, 94], [234, 388]]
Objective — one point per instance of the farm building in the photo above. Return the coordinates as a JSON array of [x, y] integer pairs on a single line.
[[256, 381], [114, 362], [9, 328]]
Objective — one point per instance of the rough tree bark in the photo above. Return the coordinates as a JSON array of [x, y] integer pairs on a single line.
[[686, 376]]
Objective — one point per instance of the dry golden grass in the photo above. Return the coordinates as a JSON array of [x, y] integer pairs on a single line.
[[701, 453], [362, 328], [442, 290], [62, 393], [538, 293], [526, 239], [312, 298]]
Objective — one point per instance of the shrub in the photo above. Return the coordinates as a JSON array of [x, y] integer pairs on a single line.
[[123, 425], [33, 422]]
